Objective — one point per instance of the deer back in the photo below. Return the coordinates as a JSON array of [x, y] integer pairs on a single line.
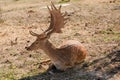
[[72, 51]]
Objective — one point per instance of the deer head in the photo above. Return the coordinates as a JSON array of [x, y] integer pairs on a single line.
[[57, 22]]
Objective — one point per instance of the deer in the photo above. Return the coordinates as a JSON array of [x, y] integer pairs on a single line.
[[66, 56]]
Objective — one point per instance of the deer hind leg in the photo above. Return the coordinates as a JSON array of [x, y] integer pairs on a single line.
[[80, 59], [69, 65], [81, 56], [53, 69]]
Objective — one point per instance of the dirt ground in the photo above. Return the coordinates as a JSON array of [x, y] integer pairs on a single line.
[[95, 23]]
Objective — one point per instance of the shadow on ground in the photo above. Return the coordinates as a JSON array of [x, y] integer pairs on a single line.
[[99, 69]]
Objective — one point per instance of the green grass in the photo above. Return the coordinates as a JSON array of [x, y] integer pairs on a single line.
[[113, 38], [64, 1], [106, 36], [8, 75]]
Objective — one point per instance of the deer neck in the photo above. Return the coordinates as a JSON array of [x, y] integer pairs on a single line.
[[49, 48]]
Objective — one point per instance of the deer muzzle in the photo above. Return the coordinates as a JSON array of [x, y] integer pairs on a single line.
[[28, 48]]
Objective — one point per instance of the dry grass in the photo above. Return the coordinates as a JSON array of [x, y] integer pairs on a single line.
[[95, 23]]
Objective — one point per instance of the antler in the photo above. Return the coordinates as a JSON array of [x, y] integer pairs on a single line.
[[57, 20]]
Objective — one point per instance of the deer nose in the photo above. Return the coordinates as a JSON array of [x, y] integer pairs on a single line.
[[27, 48]]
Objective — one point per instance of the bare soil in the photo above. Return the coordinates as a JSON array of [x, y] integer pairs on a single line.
[[95, 23]]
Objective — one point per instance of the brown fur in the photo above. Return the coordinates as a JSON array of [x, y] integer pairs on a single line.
[[69, 53], [66, 56]]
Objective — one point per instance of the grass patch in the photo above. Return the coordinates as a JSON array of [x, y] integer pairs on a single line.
[[16, 0], [108, 31], [111, 38], [8, 75], [106, 38], [64, 1]]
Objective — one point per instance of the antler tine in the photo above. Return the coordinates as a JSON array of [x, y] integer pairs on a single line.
[[51, 24], [53, 6], [49, 9], [60, 7]]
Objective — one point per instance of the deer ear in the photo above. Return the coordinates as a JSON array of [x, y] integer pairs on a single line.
[[44, 36], [33, 34]]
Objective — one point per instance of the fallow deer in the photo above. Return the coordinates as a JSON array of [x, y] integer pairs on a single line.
[[68, 54]]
